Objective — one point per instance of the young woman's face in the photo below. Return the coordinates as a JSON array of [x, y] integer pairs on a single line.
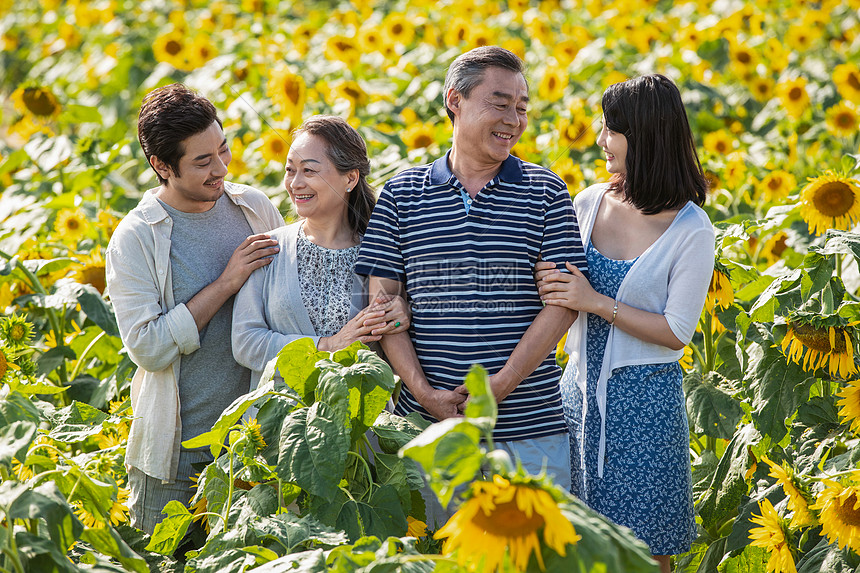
[[614, 146]]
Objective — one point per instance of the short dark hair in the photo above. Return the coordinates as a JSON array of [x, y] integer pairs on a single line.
[[662, 168], [467, 71], [346, 149], [168, 116]]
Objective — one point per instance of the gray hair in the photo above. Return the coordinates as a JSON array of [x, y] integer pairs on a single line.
[[467, 71]]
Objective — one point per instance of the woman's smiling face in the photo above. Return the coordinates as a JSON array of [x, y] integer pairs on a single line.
[[316, 187], [614, 146]]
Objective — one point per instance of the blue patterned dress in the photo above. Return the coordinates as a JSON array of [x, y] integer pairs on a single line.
[[646, 482]]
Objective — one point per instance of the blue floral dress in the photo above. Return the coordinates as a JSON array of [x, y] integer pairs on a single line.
[[646, 482]]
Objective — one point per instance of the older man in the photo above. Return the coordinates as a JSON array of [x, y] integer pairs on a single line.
[[173, 266], [460, 237]]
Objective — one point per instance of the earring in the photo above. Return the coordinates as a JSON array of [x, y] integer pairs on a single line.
[[348, 189]]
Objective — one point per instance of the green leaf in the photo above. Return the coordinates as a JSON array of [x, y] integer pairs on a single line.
[[106, 540], [293, 532], [728, 484], [17, 408], [713, 556], [828, 557], [776, 383], [297, 365], [393, 471], [214, 485], [216, 437], [313, 449], [394, 432], [48, 503], [604, 546], [170, 530], [76, 422], [481, 408], [229, 561], [15, 439], [381, 515], [712, 411], [94, 306], [751, 560], [305, 562], [450, 452], [40, 554]]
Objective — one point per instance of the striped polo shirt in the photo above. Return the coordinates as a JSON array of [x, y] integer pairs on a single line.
[[469, 277]]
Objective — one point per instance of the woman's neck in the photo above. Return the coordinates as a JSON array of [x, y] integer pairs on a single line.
[[330, 233]]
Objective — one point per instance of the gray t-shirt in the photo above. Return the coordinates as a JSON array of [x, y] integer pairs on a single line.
[[201, 244]]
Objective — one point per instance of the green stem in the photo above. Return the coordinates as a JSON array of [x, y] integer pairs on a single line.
[[83, 355], [698, 442], [229, 501], [711, 444], [698, 354], [708, 335], [366, 470]]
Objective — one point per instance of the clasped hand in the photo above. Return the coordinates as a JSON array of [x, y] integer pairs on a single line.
[[387, 314], [570, 290]]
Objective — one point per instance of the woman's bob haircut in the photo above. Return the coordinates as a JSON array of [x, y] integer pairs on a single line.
[[663, 170]]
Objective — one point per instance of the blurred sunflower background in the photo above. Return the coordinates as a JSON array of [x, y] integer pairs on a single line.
[[772, 91]]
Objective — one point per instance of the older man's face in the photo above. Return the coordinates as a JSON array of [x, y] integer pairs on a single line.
[[491, 120]]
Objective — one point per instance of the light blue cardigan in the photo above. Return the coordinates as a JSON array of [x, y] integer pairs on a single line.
[[671, 278], [268, 312]]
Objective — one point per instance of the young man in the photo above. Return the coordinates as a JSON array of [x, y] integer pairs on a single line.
[[461, 237], [173, 265]]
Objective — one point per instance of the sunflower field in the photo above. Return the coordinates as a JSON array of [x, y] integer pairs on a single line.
[[772, 90]]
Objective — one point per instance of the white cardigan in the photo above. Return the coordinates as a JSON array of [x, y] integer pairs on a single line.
[[671, 278]]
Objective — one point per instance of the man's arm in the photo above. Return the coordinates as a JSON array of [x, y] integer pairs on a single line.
[[400, 352], [538, 341]]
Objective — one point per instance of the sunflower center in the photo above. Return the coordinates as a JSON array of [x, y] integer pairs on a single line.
[[4, 365], [774, 184], [38, 101], [819, 338], [508, 520], [17, 333], [744, 57], [291, 90], [795, 94], [423, 140], [846, 512], [854, 81], [778, 247], [551, 83], [833, 199], [73, 224], [173, 47], [844, 120]]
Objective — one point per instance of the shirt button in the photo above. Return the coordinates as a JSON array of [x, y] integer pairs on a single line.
[[161, 271], [468, 201]]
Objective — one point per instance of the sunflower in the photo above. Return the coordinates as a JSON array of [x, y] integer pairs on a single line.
[[288, 91], [793, 95], [719, 142], [92, 271], [777, 185], [741, 57], [800, 37], [36, 102], [576, 132], [720, 292], [419, 135], [797, 503], [561, 357], [398, 29], [842, 119], [171, 48], [820, 346], [686, 360], [22, 472], [5, 364], [552, 84], [571, 173], [416, 528], [16, 331], [761, 88], [830, 201], [342, 49], [774, 247], [253, 431], [275, 147], [775, 54], [71, 225], [87, 518], [773, 537], [353, 92], [456, 31], [201, 51], [847, 80], [565, 51], [371, 40], [840, 514], [850, 404], [503, 518]]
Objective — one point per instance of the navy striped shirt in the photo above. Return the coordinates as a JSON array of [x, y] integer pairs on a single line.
[[470, 277]]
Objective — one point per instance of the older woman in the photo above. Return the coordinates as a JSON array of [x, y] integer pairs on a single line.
[[309, 289]]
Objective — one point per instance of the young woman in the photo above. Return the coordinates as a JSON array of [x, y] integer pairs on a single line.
[[310, 289], [650, 251]]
